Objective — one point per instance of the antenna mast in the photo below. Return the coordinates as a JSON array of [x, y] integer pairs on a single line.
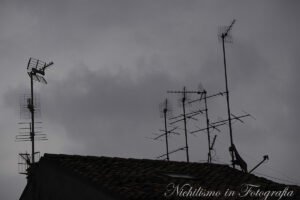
[[166, 128], [165, 109], [224, 36]]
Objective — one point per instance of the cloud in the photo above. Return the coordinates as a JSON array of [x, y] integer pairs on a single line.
[[97, 107], [115, 60]]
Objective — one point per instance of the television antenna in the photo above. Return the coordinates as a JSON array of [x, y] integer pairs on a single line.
[[224, 36], [185, 115], [236, 159], [36, 71], [204, 97], [165, 109]]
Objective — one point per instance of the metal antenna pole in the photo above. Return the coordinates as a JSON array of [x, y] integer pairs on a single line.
[[207, 128], [185, 128], [32, 129], [32, 119], [166, 128], [223, 36]]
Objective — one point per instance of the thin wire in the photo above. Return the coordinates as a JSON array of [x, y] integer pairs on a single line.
[[280, 172], [285, 180]]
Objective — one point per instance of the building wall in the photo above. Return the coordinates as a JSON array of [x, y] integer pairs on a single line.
[[51, 183]]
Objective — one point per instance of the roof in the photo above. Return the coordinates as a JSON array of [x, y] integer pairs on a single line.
[[148, 179]]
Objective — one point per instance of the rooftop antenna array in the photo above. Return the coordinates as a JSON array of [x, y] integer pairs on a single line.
[[36, 71], [236, 159]]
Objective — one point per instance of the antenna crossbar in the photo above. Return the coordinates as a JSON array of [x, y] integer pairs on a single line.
[[187, 117], [213, 125], [186, 92], [207, 97], [235, 117], [194, 112]]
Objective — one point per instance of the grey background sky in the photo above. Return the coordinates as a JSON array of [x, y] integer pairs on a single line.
[[114, 61]]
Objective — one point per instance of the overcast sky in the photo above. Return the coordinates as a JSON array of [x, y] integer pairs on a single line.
[[114, 60]]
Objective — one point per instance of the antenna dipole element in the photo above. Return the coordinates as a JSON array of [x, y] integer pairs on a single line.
[[223, 36], [225, 33]]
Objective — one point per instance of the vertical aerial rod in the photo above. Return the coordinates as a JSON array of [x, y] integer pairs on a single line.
[[185, 128], [32, 119], [207, 128], [166, 128], [223, 36]]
